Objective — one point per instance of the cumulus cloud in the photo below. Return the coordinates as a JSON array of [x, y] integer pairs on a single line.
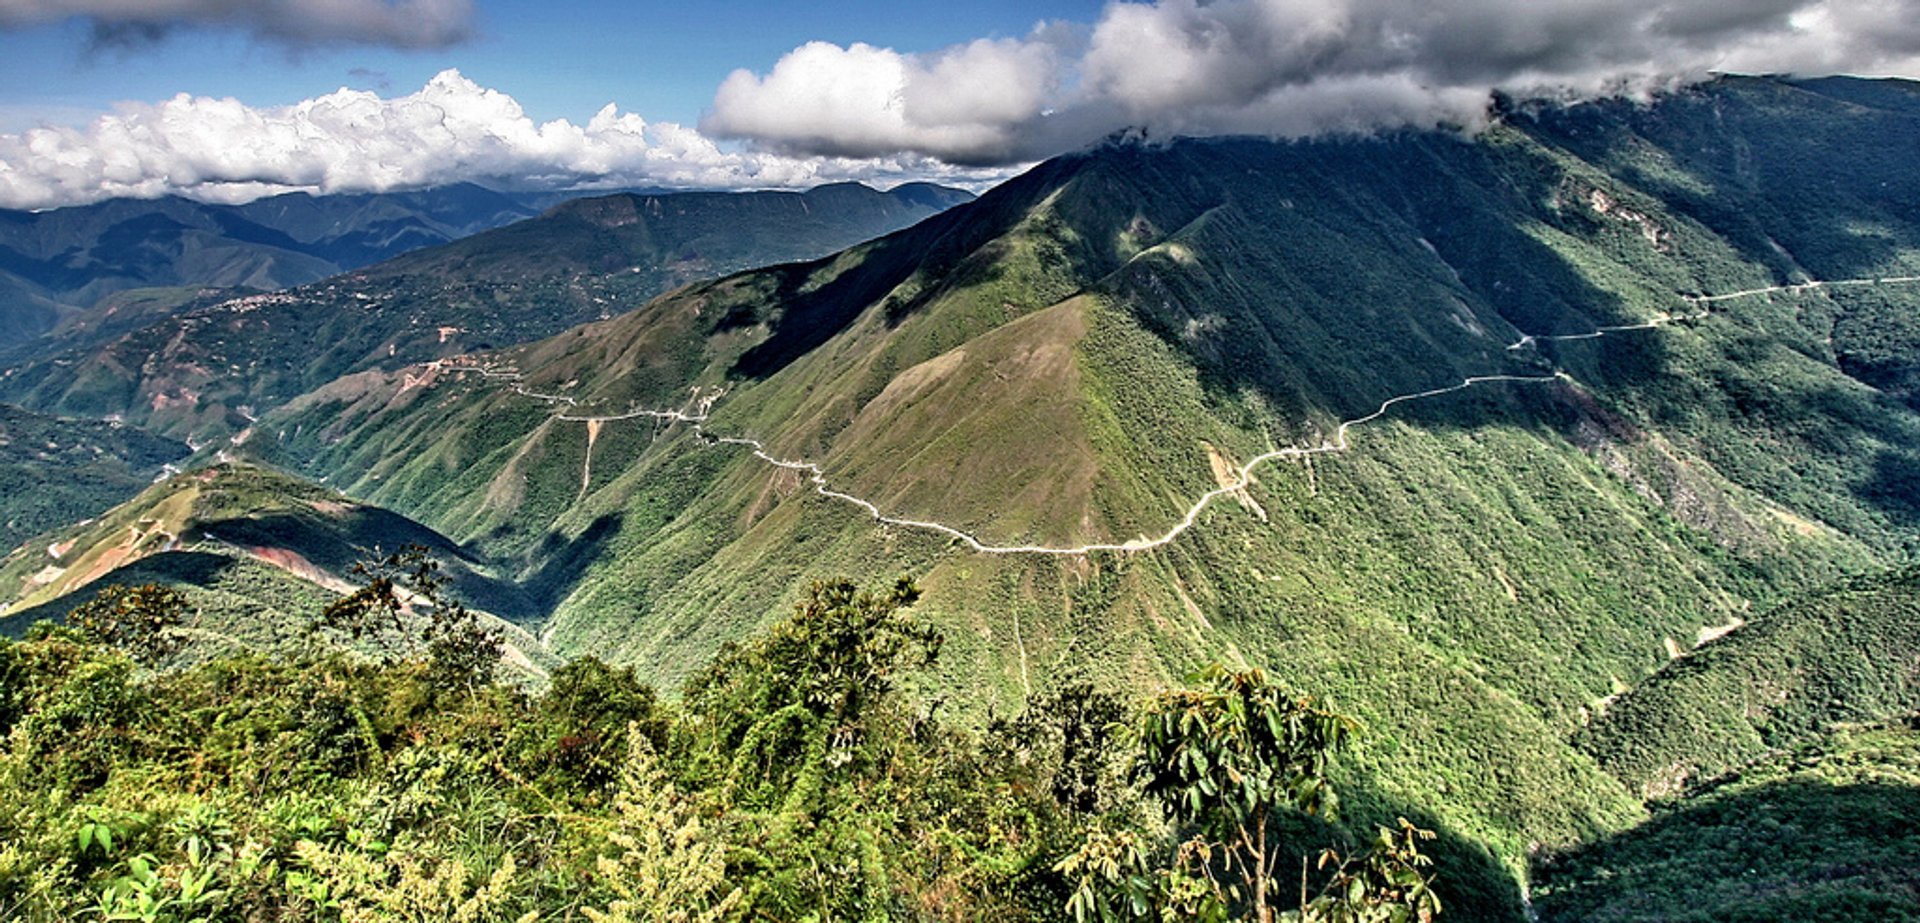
[[352, 140], [1285, 68], [863, 101], [397, 23]]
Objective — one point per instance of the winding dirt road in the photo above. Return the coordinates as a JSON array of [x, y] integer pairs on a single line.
[[1242, 478]]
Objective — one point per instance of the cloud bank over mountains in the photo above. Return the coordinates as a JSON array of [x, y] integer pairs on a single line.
[[969, 113], [351, 141], [1286, 68], [393, 23]]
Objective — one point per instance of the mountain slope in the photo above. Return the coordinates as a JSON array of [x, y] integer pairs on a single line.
[[1846, 654], [258, 555], [1534, 413], [1827, 831], [203, 373], [54, 471]]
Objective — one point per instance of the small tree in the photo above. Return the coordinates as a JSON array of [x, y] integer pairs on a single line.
[[460, 652], [140, 620], [1224, 758]]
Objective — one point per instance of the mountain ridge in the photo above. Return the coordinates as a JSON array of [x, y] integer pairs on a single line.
[[60, 262], [1500, 559]]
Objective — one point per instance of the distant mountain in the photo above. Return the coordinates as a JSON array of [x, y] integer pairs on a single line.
[[1467, 435], [59, 262], [203, 372]]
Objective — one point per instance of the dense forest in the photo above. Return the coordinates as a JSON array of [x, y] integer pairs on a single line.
[[391, 768]]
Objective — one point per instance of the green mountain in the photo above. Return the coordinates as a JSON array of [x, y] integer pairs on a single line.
[[1465, 435], [202, 373], [1578, 460], [60, 262], [55, 471]]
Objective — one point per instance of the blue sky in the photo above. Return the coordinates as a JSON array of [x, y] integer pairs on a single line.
[[226, 101], [560, 60]]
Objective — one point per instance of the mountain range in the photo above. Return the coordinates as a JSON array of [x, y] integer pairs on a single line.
[[200, 370], [56, 264], [1528, 449]]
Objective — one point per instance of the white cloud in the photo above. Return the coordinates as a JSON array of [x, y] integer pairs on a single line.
[[351, 140], [964, 104], [1285, 68], [398, 23], [824, 112]]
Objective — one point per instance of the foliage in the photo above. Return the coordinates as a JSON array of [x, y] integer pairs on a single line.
[[800, 699], [798, 777], [332, 786], [1078, 730], [669, 867], [460, 652], [1385, 884], [141, 620], [587, 724], [1226, 757]]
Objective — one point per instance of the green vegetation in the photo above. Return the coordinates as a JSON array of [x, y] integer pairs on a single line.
[[1083, 351], [56, 471], [1226, 760], [1829, 830], [141, 620], [1843, 655], [1528, 595], [796, 778]]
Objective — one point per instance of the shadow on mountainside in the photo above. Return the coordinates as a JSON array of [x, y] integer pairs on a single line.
[[1793, 850]]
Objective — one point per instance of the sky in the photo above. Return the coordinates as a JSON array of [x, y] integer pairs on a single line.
[[226, 100]]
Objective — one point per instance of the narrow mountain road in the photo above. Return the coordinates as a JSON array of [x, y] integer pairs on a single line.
[[1242, 478], [1665, 319]]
